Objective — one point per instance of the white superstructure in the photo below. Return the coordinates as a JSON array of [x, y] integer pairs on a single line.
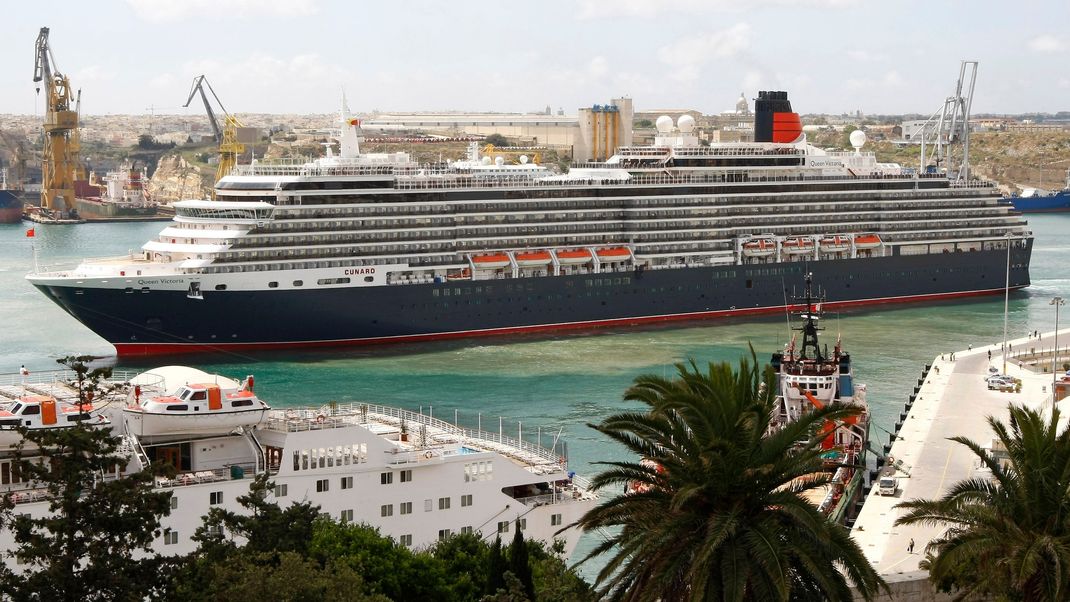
[[416, 478]]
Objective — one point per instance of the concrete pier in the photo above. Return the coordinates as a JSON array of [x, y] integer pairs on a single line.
[[953, 400]]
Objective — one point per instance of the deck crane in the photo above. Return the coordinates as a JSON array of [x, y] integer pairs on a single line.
[[58, 161], [227, 136]]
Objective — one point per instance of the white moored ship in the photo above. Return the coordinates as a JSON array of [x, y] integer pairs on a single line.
[[416, 478]]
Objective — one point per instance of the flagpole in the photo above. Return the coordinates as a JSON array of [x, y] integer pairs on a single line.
[[32, 235]]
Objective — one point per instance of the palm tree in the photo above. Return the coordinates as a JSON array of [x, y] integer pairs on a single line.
[[1008, 536], [713, 510]]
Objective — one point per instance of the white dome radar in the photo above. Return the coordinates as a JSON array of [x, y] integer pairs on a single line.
[[499, 161], [686, 123], [523, 159], [664, 124], [858, 139]]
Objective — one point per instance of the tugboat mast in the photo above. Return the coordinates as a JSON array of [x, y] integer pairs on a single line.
[[811, 349]]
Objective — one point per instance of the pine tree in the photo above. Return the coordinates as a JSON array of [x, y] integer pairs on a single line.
[[495, 568], [519, 564], [95, 541]]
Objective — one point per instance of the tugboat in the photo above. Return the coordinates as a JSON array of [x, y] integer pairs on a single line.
[[43, 412], [203, 408], [810, 377]]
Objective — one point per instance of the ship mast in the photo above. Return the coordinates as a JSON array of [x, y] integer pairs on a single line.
[[811, 349]]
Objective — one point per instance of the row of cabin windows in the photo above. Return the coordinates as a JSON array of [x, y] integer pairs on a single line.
[[386, 478], [341, 455]]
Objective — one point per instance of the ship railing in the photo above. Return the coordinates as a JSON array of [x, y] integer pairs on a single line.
[[57, 383], [231, 472], [306, 169], [348, 414]]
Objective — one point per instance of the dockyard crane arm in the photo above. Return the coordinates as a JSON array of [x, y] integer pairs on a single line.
[[42, 69], [198, 86]]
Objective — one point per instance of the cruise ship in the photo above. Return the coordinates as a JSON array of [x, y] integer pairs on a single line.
[[358, 248], [416, 478]]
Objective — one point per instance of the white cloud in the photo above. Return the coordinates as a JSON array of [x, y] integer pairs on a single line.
[[753, 81], [162, 11], [1064, 83], [93, 74], [598, 66], [1047, 43], [864, 56], [892, 79], [689, 55], [597, 9]]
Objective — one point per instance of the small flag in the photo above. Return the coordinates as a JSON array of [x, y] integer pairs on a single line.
[[29, 233]]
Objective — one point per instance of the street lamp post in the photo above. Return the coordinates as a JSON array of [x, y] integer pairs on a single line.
[[1057, 302], [1006, 301]]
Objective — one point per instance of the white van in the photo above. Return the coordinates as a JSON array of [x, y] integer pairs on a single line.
[[887, 486]]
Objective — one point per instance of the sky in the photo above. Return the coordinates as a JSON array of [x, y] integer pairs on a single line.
[[294, 56]]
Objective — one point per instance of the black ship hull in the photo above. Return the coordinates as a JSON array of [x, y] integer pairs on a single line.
[[170, 322]]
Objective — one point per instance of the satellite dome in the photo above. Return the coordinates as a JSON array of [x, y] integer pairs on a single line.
[[858, 139], [664, 124], [523, 159], [499, 160], [487, 160], [686, 123]]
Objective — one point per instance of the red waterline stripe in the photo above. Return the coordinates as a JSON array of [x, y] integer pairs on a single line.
[[146, 349]]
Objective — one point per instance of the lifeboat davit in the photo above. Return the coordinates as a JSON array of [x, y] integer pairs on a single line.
[[835, 244], [533, 259], [573, 257], [759, 247], [865, 242], [798, 245], [40, 412], [490, 262], [614, 254], [202, 409]]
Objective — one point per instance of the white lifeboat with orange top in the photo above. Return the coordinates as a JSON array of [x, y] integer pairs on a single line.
[[532, 259], [201, 409], [41, 412], [491, 262]]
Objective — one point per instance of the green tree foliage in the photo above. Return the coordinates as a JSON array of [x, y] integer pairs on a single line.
[[94, 544], [285, 577], [497, 140], [496, 568], [388, 568], [519, 562], [1007, 537], [722, 516], [263, 525]]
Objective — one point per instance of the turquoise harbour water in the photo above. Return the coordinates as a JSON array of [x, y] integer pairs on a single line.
[[559, 383]]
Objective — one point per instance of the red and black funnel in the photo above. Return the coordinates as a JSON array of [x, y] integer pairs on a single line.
[[773, 119]]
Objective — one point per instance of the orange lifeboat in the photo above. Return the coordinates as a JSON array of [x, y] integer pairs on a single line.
[[533, 259], [491, 262], [835, 244], [573, 257], [798, 245], [613, 254], [865, 242], [759, 247]]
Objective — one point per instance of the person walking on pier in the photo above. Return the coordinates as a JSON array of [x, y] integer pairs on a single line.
[[910, 546]]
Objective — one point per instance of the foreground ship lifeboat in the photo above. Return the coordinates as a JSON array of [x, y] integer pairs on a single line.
[[491, 262], [43, 412], [835, 244], [798, 245], [759, 247], [573, 257], [614, 254], [533, 259], [195, 409], [865, 242]]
